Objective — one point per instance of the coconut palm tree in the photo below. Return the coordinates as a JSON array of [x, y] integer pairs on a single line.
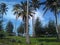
[[35, 4], [53, 6], [3, 10], [21, 10]]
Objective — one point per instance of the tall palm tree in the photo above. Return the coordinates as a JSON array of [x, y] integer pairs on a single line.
[[53, 6], [3, 9], [35, 4], [27, 31], [22, 10]]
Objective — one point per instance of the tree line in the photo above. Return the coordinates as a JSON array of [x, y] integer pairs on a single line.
[[40, 30]]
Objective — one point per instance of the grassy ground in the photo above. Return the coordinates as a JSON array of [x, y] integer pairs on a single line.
[[14, 40]]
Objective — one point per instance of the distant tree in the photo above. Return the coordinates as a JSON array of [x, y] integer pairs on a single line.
[[51, 27], [46, 29], [38, 27], [1, 28], [2, 32], [20, 29], [9, 28]]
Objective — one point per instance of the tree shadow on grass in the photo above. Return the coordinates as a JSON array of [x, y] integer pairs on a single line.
[[48, 40], [12, 40]]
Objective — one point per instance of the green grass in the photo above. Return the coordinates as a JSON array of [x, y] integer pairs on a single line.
[[34, 41]]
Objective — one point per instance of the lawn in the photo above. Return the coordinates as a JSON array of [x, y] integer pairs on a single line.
[[15, 40]]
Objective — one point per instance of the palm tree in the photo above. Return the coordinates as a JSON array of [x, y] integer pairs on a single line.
[[22, 10], [3, 9], [34, 4], [53, 6]]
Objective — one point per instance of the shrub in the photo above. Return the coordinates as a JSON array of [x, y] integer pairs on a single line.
[[12, 40], [41, 44], [2, 34], [19, 41]]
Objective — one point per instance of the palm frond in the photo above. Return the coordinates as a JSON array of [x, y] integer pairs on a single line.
[[3, 8], [42, 3], [45, 11]]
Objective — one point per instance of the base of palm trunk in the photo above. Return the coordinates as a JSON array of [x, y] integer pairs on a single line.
[[58, 37], [27, 39], [33, 35]]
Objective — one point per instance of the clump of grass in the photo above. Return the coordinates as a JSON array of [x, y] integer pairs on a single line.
[[41, 44], [12, 40]]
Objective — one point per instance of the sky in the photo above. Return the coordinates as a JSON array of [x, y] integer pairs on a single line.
[[39, 13]]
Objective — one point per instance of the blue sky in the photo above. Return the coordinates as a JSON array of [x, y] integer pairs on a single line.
[[39, 13]]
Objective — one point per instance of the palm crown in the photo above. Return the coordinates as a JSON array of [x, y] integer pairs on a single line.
[[3, 8], [21, 10], [35, 4], [52, 5]]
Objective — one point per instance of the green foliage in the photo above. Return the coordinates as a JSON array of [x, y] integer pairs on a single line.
[[20, 29], [35, 4], [34, 41], [3, 8], [1, 28], [53, 6], [38, 27], [2, 34], [50, 28], [9, 28]]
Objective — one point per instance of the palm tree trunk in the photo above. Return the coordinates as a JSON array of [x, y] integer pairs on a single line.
[[27, 31], [33, 26], [24, 27], [57, 30], [56, 26], [15, 23]]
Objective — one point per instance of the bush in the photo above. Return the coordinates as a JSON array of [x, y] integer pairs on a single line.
[[12, 40], [41, 44], [2, 34], [11, 34], [19, 41]]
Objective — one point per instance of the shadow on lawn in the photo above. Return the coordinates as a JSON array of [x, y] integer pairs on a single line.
[[48, 40], [12, 40]]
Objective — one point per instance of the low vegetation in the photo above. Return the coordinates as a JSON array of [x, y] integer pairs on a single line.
[[15, 40]]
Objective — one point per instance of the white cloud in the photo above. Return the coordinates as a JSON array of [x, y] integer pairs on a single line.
[[40, 15]]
